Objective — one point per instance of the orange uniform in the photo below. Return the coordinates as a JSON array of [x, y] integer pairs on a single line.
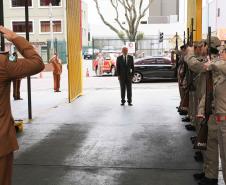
[[57, 70]]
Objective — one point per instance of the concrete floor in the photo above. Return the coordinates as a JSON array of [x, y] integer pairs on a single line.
[[95, 141]]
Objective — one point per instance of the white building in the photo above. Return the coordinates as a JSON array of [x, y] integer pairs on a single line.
[[85, 25], [214, 15]]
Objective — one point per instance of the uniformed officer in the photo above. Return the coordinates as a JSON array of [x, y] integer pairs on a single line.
[[180, 73], [192, 78], [10, 70], [219, 78], [210, 174], [182, 82], [57, 71]]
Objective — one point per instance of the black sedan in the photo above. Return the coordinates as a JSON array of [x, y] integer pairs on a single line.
[[152, 68]]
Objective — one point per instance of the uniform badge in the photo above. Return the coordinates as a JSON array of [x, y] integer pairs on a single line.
[[12, 57]]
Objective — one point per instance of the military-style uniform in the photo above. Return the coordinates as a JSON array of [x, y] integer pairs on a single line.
[[57, 70], [211, 155], [193, 60], [219, 77], [211, 165], [9, 70]]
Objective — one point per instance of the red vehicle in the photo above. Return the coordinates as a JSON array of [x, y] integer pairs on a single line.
[[105, 63]]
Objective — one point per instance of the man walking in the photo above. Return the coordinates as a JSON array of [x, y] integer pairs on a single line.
[[9, 70], [125, 71]]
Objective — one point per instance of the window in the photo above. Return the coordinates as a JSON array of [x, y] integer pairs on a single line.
[[150, 61], [45, 26], [47, 2], [19, 26], [20, 3]]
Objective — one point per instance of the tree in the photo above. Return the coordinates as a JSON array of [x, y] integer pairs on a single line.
[[134, 11]]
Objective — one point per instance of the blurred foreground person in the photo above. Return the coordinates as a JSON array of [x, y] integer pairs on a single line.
[[10, 70]]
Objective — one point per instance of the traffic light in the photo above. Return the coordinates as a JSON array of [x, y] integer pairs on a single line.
[[161, 37]]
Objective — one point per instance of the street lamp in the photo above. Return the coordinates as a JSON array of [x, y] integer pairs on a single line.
[[51, 26], [28, 78]]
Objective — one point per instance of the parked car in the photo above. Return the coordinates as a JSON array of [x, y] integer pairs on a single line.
[[88, 54], [148, 68], [108, 63]]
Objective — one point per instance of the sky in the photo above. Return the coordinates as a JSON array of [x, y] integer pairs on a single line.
[[93, 17]]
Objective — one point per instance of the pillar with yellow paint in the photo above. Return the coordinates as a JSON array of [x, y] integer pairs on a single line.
[[194, 10], [74, 49]]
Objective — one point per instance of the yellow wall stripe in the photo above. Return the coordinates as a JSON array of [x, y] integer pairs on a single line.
[[74, 49]]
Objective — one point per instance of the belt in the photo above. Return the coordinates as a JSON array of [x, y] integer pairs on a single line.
[[220, 118]]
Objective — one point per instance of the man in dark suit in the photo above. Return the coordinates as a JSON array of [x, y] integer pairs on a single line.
[[125, 71]]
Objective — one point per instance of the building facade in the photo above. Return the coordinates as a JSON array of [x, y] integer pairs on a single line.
[[47, 24], [214, 15], [163, 11]]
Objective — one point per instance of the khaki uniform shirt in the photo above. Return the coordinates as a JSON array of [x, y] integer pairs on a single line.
[[29, 65], [215, 75], [219, 85]]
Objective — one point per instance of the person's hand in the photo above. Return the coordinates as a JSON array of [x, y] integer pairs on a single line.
[[207, 64], [118, 78], [8, 34]]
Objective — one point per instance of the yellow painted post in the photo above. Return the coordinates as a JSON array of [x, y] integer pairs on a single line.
[[198, 19], [74, 49], [194, 10]]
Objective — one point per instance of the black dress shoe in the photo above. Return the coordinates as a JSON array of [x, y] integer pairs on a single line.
[[122, 104], [190, 127], [130, 104], [183, 112], [18, 99], [186, 119], [208, 181], [199, 176]]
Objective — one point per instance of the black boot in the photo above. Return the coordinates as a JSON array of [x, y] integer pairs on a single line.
[[186, 119], [199, 176], [190, 127], [207, 181]]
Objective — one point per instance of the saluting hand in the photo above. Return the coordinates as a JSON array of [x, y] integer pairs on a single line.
[[207, 64], [8, 34]]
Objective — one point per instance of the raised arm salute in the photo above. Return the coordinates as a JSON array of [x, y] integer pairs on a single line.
[[10, 70]]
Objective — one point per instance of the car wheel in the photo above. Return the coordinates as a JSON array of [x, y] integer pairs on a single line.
[[137, 77], [113, 71]]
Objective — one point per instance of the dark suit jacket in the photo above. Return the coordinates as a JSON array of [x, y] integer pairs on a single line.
[[125, 70], [27, 66]]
